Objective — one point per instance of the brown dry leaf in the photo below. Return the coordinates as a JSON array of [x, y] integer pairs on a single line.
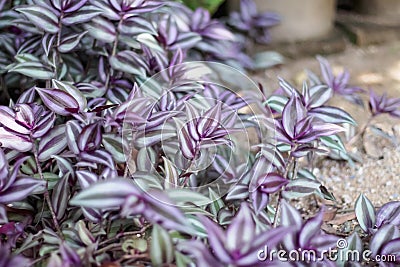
[[110, 264], [329, 214], [340, 219]]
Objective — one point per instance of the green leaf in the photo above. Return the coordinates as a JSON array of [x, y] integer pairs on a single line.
[[52, 143], [84, 14], [41, 17], [162, 248], [217, 203], [113, 144], [70, 42], [267, 59], [301, 187], [34, 70], [181, 196], [277, 102], [182, 260], [210, 5], [128, 62], [333, 142], [101, 29]]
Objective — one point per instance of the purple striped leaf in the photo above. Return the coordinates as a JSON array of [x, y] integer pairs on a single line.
[[44, 124], [90, 137], [161, 248], [259, 201], [73, 91], [332, 115], [60, 196], [86, 178], [241, 230], [321, 129], [24, 115], [186, 40], [34, 70], [293, 112], [73, 6], [69, 256], [209, 121], [105, 194], [101, 29], [272, 183], [365, 213], [70, 42], [318, 95], [388, 214], [20, 189], [85, 14], [52, 143], [301, 187], [28, 96], [8, 121], [4, 179], [58, 101], [99, 157], [73, 130], [47, 42], [41, 17], [136, 25], [385, 234], [129, 62], [310, 228], [13, 141]]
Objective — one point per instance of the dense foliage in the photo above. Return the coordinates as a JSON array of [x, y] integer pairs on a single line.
[[197, 166]]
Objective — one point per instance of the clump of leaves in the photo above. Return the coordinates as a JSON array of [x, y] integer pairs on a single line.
[[100, 165]]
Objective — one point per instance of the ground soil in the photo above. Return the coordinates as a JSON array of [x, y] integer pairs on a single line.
[[377, 174]]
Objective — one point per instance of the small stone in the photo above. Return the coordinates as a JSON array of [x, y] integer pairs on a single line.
[[347, 199]]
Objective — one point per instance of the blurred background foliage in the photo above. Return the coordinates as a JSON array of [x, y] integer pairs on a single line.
[[210, 5]]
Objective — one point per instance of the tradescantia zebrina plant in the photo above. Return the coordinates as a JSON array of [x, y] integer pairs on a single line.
[[102, 166]]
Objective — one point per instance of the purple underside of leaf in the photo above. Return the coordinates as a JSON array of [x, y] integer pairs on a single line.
[[272, 183], [161, 210], [292, 113], [217, 239], [318, 130], [310, 229], [385, 234], [3, 169], [388, 214], [270, 238]]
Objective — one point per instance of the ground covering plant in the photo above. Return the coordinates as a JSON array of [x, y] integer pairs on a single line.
[[100, 166]]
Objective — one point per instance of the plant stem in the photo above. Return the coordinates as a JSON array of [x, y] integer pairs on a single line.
[[291, 162], [124, 234], [113, 52], [360, 133], [278, 209], [3, 87], [107, 248], [58, 57], [46, 192]]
